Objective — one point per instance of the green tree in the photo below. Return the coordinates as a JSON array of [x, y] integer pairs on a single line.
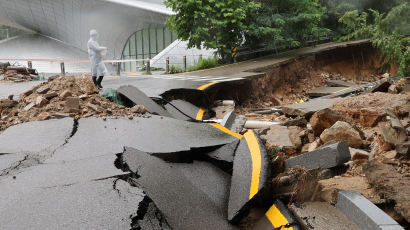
[[214, 24], [285, 22], [388, 33]]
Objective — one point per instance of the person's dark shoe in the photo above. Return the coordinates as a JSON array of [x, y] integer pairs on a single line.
[[95, 81], [100, 79]]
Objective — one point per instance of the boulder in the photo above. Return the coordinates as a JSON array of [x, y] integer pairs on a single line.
[[342, 131], [370, 117], [281, 136], [324, 119], [403, 150], [392, 131], [65, 94]]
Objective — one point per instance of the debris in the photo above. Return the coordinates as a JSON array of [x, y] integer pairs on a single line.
[[369, 109], [382, 86], [233, 123], [391, 185], [306, 109], [363, 212], [72, 104], [41, 101], [321, 215], [393, 132], [250, 176], [7, 103], [228, 119], [301, 122], [325, 91], [393, 89], [329, 188], [403, 150], [342, 131], [325, 157], [66, 93], [340, 83], [50, 96], [133, 96], [139, 109], [358, 154], [18, 74], [29, 106], [280, 136], [43, 89], [324, 119], [277, 217]]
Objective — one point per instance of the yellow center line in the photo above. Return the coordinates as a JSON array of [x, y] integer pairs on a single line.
[[207, 85], [200, 114], [342, 90], [256, 157], [132, 73], [223, 129], [277, 219]]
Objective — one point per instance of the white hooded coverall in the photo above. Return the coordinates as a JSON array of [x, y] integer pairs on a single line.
[[95, 53]]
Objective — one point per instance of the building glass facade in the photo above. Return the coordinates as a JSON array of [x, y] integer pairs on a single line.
[[144, 44]]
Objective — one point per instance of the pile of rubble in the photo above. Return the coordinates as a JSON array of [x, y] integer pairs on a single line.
[[19, 74], [61, 97], [324, 146]]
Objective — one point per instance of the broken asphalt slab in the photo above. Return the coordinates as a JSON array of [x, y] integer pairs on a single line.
[[102, 204], [156, 135], [250, 176], [321, 215], [307, 109], [277, 217], [325, 91], [36, 137], [328, 156], [130, 94], [191, 196], [364, 213], [185, 111]]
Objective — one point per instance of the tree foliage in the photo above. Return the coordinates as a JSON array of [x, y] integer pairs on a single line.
[[287, 22], [212, 24], [388, 33]]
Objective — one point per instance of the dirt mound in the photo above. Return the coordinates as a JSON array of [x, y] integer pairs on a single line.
[[18, 74], [61, 97], [372, 107]]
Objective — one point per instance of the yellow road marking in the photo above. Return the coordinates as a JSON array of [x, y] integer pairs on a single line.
[[277, 219], [207, 85], [341, 90], [132, 73], [200, 114], [256, 157], [223, 129]]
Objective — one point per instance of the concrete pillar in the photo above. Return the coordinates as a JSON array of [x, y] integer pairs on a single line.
[[62, 66], [148, 66], [184, 60], [30, 64], [167, 64]]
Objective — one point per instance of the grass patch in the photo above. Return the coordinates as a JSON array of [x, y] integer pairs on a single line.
[[205, 63]]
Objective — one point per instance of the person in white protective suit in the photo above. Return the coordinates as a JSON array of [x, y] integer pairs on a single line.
[[95, 52]]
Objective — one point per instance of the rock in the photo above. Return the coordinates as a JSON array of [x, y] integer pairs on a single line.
[[403, 150], [325, 157], [280, 136], [6, 103], [139, 109], [370, 117], [391, 184], [358, 154], [93, 107], [50, 96], [43, 89], [393, 89], [10, 97], [381, 86], [66, 93], [301, 122], [393, 135], [342, 131], [41, 101], [83, 96], [44, 116], [72, 104], [295, 137], [324, 119], [61, 115], [314, 145], [28, 93], [29, 106]]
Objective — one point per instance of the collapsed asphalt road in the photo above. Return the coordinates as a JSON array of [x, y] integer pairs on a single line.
[[115, 173]]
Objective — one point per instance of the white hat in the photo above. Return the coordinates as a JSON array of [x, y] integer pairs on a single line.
[[93, 32]]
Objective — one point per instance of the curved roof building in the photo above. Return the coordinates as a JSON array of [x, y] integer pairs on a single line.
[[131, 29]]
